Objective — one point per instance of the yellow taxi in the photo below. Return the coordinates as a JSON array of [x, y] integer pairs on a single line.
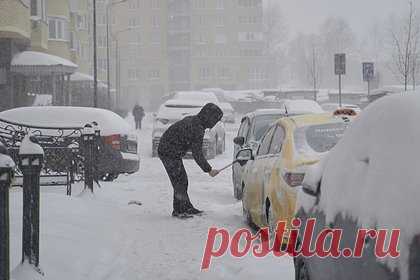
[[278, 167]]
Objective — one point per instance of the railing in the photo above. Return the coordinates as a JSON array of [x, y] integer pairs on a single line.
[[65, 154]]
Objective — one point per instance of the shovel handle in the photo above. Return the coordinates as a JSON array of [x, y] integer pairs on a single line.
[[227, 166]]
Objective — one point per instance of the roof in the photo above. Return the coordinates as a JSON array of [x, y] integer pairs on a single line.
[[38, 63], [313, 119]]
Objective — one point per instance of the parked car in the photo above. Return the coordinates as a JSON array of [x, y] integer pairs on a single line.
[[331, 107], [369, 181], [120, 153], [176, 109], [252, 128], [228, 112], [200, 96], [287, 148], [254, 125]]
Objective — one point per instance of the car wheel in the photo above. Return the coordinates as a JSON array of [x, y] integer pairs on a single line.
[[301, 270]]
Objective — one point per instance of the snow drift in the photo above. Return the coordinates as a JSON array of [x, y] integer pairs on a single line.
[[372, 174]]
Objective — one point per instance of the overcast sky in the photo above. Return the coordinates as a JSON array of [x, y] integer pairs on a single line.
[[307, 15]]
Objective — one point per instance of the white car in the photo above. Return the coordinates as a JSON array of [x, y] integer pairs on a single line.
[[331, 107], [300, 106], [120, 153], [228, 112], [199, 96], [175, 110]]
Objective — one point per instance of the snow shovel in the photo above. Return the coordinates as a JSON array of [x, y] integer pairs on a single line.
[[227, 166]]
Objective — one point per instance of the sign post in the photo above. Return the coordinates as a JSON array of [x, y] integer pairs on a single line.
[[340, 69], [368, 73]]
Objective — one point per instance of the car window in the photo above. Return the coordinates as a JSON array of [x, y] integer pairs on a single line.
[[262, 123], [265, 143], [277, 141], [241, 128]]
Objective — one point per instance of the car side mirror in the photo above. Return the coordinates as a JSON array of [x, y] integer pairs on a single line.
[[312, 189], [239, 140], [244, 155]]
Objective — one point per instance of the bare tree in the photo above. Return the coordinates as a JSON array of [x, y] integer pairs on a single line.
[[405, 40], [313, 61]]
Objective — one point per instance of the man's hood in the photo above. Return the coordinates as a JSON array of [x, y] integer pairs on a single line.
[[210, 115]]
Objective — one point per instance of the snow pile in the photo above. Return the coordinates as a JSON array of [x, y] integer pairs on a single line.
[[26, 271], [60, 116], [30, 148], [372, 173]]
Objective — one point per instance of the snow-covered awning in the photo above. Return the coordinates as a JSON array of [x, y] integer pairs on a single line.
[[38, 63]]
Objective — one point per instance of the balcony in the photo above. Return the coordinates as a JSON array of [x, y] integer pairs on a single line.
[[14, 20]]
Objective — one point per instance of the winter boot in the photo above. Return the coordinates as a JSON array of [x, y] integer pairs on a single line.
[[181, 215]]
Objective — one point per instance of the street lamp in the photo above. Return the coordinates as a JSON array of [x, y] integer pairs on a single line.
[[108, 12]]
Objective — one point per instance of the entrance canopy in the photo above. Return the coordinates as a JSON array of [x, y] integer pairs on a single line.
[[31, 63]]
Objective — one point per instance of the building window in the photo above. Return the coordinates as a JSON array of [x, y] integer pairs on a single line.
[[249, 3], [204, 73], [224, 73], [155, 22], [155, 38], [256, 74], [155, 4], [220, 4], [250, 36], [82, 22], [134, 22], [154, 74], [220, 21], [73, 41], [134, 4], [57, 29], [38, 9]]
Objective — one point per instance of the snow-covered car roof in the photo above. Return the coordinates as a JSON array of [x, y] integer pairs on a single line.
[[176, 109], [372, 173], [62, 116], [207, 97], [301, 106]]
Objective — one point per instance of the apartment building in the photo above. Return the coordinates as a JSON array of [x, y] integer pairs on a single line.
[[170, 45], [139, 33]]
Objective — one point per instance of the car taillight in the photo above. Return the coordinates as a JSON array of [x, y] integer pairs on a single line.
[[293, 179], [114, 141]]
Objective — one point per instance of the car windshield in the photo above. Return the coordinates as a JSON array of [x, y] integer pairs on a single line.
[[262, 123], [318, 138]]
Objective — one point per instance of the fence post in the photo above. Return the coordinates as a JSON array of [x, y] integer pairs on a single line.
[[88, 140], [97, 151], [31, 158], [6, 174]]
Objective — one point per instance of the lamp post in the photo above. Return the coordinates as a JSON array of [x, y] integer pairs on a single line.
[[108, 70], [95, 59]]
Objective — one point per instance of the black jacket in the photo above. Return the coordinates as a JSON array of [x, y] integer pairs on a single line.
[[188, 134]]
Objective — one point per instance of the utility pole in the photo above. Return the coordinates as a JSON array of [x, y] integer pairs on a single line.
[[95, 59]]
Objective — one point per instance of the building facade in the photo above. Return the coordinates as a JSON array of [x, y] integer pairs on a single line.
[[172, 45]]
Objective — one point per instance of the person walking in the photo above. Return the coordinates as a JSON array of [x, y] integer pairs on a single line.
[[178, 139], [138, 113]]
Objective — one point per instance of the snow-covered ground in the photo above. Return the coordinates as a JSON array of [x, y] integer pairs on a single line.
[[100, 236]]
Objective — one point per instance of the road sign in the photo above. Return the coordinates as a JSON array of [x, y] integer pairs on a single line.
[[340, 63], [368, 71]]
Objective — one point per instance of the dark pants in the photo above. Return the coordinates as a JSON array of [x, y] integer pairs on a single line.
[[138, 123], [178, 176]]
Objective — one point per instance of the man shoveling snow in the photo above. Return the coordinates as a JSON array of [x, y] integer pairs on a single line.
[[178, 139]]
